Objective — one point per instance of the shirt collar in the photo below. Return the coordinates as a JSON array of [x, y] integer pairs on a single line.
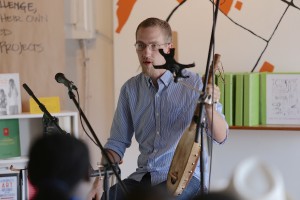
[[166, 79]]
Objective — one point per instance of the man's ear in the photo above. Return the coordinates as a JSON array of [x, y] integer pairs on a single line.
[[170, 45]]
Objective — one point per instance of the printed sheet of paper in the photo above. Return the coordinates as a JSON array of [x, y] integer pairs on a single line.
[[283, 99]]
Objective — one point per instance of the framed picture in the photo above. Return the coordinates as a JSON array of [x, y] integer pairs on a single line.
[[10, 186], [10, 96]]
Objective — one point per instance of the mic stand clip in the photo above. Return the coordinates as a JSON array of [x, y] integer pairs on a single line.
[[172, 65]]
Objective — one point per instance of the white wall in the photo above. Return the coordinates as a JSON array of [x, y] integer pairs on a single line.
[[96, 92], [243, 37]]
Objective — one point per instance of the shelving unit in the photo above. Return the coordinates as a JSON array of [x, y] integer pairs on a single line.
[[30, 127], [275, 127]]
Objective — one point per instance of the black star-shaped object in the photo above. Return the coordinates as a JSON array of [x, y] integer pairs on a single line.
[[172, 65]]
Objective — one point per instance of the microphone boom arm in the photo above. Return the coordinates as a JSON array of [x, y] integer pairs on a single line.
[[43, 109]]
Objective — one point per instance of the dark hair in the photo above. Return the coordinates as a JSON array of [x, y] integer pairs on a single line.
[[11, 80], [57, 163], [155, 22]]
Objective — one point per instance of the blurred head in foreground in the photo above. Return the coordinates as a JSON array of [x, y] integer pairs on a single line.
[[58, 163]]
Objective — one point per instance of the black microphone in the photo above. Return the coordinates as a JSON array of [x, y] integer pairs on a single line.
[[28, 90], [60, 78]]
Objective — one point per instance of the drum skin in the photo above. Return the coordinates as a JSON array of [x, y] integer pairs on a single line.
[[184, 161]]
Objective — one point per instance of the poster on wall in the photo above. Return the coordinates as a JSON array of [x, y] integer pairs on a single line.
[[32, 44], [246, 38]]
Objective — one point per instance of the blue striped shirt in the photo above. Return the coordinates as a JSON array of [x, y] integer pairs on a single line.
[[157, 117]]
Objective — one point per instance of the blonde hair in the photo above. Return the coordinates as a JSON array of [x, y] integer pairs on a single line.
[[155, 22]]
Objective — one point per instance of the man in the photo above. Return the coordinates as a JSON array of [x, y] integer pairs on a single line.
[[157, 111]]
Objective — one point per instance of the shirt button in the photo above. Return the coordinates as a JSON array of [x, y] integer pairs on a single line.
[[157, 132], [157, 114], [155, 150]]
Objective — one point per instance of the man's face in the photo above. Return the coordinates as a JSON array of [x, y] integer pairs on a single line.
[[147, 56]]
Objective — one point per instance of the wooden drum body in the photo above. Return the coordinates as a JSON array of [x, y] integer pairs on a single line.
[[184, 161]]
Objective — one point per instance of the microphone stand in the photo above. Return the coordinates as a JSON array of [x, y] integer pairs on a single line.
[[200, 125], [104, 153], [52, 119], [176, 69]]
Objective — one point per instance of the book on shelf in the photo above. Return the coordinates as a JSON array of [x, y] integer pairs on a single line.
[[251, 99], [10, 95], [280, 98], [10, 186], [52, 104], [9, 138], [229, 100], [239, 99]]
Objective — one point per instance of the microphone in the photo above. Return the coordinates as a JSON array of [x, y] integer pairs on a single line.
[[60, 78]]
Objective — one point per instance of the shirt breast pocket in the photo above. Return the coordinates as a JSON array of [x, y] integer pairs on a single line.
[[178, 110]]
